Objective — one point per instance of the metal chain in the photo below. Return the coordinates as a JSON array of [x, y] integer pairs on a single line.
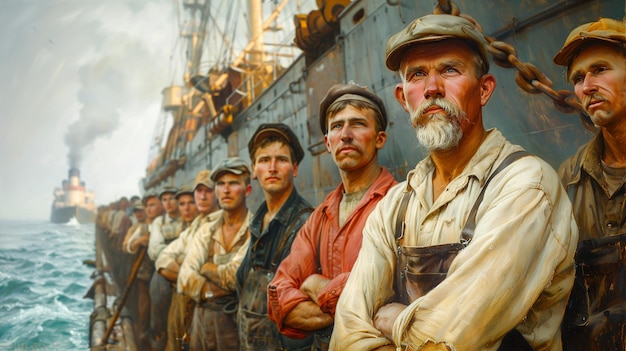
[[528, 77]]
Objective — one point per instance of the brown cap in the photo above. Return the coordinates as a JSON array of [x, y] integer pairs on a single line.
[[182, 191], [351, 91], [282, 131], [167, 189], [138, 206], [233, 165], [605, 29], [203, 177], [434, 28]]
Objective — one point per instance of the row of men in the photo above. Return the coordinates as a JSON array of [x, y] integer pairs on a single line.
[[477, 250]]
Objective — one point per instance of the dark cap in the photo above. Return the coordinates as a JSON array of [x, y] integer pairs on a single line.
[[234, 165], [351, 91], [434, 28], [182, 191], [203, 177], [605, 29], [166, 190], [280, 130]]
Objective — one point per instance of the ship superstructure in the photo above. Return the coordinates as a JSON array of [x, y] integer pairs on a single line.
[[72, 200]]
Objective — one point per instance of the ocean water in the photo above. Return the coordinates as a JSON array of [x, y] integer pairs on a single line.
[[42, 284]]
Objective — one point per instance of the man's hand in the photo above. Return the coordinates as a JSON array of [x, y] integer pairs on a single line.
[[386, 316], [209, 271], [308, 316], [312, 286]]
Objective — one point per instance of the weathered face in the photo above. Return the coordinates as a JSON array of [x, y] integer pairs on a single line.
[[205, 198], [169, 203], [352, 139], [441, 92], [599, 77], [187, 207], [232, 191], [274, 169], [154, 208]]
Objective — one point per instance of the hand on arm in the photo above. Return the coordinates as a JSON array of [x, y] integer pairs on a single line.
[[308, 316], [312, 286], [386, 316], [209, 271], [170, 272]]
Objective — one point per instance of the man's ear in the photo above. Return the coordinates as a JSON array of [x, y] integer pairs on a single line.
[[487, 87], [399, 92]]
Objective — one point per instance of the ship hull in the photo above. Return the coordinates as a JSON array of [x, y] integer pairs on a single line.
[[65, 214]]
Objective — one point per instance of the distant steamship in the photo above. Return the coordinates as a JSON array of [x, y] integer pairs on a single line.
[[72, 200]]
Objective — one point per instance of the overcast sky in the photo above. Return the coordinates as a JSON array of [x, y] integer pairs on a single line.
[[81, 73]]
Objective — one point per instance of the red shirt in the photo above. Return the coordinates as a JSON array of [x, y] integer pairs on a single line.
[[339, 250]]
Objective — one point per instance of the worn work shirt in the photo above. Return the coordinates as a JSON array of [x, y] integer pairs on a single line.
[[208, 244], [517, 271], [335, 254], [597, 213], [263, 245], [176, 251], [163, 230]]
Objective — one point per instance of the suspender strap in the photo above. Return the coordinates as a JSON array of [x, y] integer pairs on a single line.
[[468, 231]]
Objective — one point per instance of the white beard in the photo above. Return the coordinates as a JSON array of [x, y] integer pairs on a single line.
[[442, 131]]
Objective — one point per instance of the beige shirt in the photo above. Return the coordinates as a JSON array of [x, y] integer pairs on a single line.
[[517, 271], [176, 251], [209, 242], [163, 229]]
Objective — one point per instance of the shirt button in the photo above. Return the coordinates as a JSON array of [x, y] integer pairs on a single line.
[[611, 225]]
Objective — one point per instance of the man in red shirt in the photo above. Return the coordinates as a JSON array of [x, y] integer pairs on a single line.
[[303, 294]]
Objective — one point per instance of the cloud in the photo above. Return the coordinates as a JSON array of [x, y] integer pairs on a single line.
[[76, 76]]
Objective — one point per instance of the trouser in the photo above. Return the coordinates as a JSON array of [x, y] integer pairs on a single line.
[[178, 320], [143, 315], [321, 339], [212, 329], [160, 299]]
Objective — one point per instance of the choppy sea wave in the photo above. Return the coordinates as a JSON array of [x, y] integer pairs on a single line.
[[42, 284]]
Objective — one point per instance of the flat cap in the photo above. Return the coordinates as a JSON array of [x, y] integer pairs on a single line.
[[138, 205], [149, 194], [203, 178], [166, 190], [182, 191], [351, 91], [605, 29], [431, 28], [234, 165], [282, 131]]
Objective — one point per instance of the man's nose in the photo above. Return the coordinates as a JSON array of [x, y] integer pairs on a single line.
[[433, 86]]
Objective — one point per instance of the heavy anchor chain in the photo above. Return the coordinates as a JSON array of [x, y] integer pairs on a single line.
[[528, 77]]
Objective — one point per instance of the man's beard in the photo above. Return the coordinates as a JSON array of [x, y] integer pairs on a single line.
[[442, 131]]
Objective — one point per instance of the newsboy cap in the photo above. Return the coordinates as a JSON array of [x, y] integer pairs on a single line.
[[166, 190], [351, 91], [234, 165], [282, 131], [605, 29], [431, 28], [182, 191], [203, 177]]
